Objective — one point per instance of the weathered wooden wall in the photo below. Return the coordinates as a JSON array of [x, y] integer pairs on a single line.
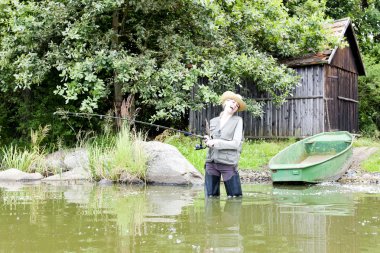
[[301, 115], [326, 100], [341, 95]]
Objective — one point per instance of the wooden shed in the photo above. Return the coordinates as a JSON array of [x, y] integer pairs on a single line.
[[326, 99]]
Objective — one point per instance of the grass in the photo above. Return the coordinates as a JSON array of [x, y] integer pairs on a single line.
[[109, 158], [112, 155], [186, 145], [255, 154], [372, 164], [366, 142], [22, 159]]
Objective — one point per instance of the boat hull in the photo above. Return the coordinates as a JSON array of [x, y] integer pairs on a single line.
[[320, 158]]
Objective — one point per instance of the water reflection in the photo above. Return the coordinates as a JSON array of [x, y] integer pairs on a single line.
[[318, 218], [223, 225], [316, 199], [90, 218]]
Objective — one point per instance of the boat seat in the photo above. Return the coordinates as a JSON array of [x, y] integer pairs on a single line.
[[319, 141]]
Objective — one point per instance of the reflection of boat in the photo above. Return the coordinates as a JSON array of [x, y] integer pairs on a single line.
[[331, 200], [322, 157]]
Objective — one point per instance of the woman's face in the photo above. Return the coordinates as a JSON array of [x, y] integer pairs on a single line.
[[231, 106]]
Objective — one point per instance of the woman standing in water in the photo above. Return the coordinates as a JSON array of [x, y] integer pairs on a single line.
[[225, 142]]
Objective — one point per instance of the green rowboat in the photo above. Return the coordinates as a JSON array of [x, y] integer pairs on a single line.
[[319, 158]]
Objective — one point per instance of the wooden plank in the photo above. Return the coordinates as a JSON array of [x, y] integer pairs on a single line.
[[284, 117], [269, 117], [316, 91], [334, 104], [291, 118], [290, 98], [298, 118], [348, 99], [310, 92], [275, 121]]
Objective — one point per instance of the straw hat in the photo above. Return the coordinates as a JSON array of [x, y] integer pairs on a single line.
[[236, 97]]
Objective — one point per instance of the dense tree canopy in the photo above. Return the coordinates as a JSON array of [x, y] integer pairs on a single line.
[[88, 54]]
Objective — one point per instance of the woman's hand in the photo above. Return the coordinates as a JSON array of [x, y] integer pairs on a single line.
[[209, 142]]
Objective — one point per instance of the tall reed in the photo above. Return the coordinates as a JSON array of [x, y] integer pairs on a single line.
[[26, 159], [125, 154], [18, 158]]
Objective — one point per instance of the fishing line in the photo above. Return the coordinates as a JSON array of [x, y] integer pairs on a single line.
[[103, 116]]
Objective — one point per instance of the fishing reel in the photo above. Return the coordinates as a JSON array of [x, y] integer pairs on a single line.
[[200, 145]]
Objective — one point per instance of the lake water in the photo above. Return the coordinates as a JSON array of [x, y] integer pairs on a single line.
[[91, 218]]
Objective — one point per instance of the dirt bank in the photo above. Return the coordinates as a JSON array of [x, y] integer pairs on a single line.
[[353, 175]]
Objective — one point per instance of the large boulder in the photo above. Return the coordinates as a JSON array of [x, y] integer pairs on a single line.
[[78, 158], [166, 165], [18, 175], [54, 161], [76, 174], [72, 165], [67, 160]]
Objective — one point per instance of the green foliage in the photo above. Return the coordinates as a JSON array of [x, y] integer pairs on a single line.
[[186, 146], [29, 159], [255, 154], [38, 136], [22, 159], [364, 14], [110, 157], [82, 51], [372, 164], [366, 142], [369, 94]]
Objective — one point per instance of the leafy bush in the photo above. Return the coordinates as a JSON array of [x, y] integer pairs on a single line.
[[369, 96]]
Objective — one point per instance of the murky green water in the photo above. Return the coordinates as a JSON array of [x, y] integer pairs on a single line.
[[90, 218]]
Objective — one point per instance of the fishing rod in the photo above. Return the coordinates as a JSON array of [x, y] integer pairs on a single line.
[[103, 116]]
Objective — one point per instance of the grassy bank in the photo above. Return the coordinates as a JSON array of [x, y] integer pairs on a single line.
[[112, 155], [372, 164], [257, 153]]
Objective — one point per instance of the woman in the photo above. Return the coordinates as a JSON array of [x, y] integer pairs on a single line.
[[225, 142]]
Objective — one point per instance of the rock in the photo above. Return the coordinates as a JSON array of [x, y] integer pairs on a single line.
[[54, 161], [72, 175], [255, 176], [77, 159], [128, 178], [355, 174], [166, 165], [18, 175], [106, 182]]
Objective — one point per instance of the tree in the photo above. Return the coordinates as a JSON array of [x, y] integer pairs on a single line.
[[365, 14], [102, 50]]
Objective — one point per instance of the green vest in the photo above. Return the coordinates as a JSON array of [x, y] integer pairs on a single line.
[[224, 156]]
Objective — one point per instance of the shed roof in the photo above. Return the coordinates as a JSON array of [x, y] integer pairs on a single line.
[[341, 28]]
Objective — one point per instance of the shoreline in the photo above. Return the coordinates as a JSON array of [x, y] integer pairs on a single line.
[[354, 174]]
